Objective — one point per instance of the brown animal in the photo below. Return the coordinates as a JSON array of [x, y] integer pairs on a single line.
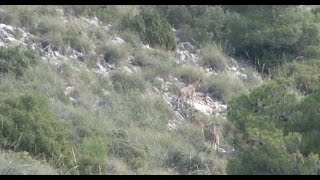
[[214, 136], [188, 92]]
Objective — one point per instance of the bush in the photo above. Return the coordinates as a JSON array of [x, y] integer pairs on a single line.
[[176, 15], [273, 35], [192, 135], [50, 28], [213, 57], [200, 24], [144, 111], [184, 163], [131, 37], [277, 131], [75, 33], [223, 87], [185, 152], [303, 75], [29, 125], [21, 16], [144, 58], [21, 163], [105, 13], [16, 60], [93, 156], [189, 73], [153, 63], [124, 82], [79, 36], [194, 164], [127, 150], [114, 53], [117, 167], [154, 29]]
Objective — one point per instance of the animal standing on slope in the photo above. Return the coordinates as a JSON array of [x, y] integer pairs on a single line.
[[189, 92], [214, 136]]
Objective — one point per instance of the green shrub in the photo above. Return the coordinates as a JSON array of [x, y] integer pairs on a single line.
[[222, 86], [105, 13], [303, 75], [276, 131], [153, 64], [195, 164], [16, 59], [115, 13], [78, 35], [185, 163], [150, 111], [143, 111], [273, 35], [21, 16], [75, 33], [213, 57], [153, 28], [21, 163], [192, 135], [93, 156], [199, 24], [52, 29], [117, 167], [122, 147], [177, 15], [131, 37], [114, 53], [144, 58], [311, 51], [124, 82], [29, 125], [189, 73], [66, 70]]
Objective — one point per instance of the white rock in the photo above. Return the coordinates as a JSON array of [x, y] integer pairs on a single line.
[[69, 90], [33, 46], [244, 76], [128, 70], [6, 27], [101, 68], [203, 108], [146, 46], [221, 150], [108, 27], [117, 40], [56, 53], [223, 108], [159, 79], [234, 68]]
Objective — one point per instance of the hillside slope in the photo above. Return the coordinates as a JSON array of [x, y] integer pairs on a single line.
[[84, 93]]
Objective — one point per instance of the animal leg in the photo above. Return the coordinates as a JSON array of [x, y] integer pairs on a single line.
[[217, 140], [215, 146], [203, 137]]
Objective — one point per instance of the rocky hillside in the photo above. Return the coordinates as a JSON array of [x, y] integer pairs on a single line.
[[84, 93]]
